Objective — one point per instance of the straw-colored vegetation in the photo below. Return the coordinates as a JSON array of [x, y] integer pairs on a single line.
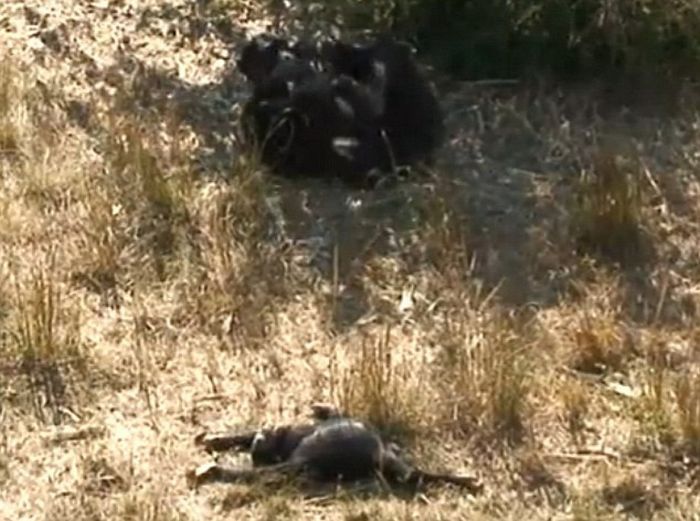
[[526, 313]]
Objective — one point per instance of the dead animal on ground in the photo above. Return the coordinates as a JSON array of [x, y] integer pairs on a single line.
[[335, 108], [332, 449]]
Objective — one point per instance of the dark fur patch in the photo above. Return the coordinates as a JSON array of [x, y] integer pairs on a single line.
[[338, 108]]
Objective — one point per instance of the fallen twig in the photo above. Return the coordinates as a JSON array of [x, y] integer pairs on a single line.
[[74, 434]]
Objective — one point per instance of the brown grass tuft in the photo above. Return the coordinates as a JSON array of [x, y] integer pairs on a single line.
[[599, 347], [241, 269], [655, 409], [45, 339], [11, 108], [630, 495], [575, 400], [687, 392], [45, 330], [383, 386], [607, 219], [491, 383]]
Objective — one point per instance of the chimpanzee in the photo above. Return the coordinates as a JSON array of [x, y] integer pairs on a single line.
[[269, 119], [338, 108], [412, 117], [335, 448], [306, 122], [274, 66], [319, 129], [259, 57]]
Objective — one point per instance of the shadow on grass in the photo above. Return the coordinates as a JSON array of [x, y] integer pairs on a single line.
[[505, 174]]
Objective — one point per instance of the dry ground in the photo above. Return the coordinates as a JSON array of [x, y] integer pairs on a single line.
[[526, 314]]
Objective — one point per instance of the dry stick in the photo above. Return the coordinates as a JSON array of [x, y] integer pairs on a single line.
[[599, 455], [80, 433], [491, 83], [389, 149], [586, 454], [662, 297], [650, 178], [336, 276]]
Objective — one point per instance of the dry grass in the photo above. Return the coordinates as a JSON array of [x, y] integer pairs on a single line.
[[489, 371], [153, 283], [688, 403], [383, 389], [608, 219]]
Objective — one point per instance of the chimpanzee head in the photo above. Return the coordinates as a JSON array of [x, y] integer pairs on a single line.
[[354, 60], [266, 449], [259, 57]]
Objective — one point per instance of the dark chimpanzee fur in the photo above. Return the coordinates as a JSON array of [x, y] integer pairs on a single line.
[[335, 448], [338, 108], [316, 130], [275, 67], [259, 57], [412, 117], [315, 126]]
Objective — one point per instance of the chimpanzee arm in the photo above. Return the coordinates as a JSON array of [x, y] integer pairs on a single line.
[[217, 473], [219, 442]]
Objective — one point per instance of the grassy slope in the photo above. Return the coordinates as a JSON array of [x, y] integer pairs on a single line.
[[149, 288]]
